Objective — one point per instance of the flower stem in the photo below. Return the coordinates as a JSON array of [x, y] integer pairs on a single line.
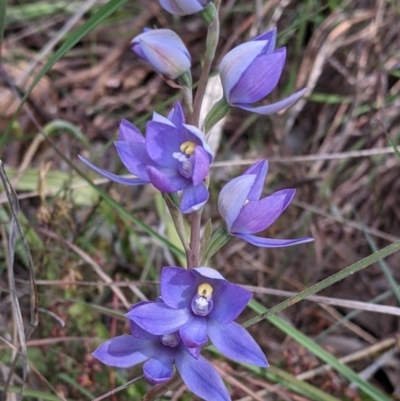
[[193, 256], [177, 219], [211, 46], [162, 388]]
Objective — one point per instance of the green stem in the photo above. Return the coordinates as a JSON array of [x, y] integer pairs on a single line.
[[211, 46], [193, 256], [177, 218]]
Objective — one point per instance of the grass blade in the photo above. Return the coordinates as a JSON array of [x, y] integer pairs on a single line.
[[317, 350], [361, 264], [71, 41]]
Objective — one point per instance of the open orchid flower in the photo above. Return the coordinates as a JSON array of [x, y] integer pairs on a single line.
[[251, 71], [184, 7], [164, 50], [159, 353], [201, 304], [245, 213], [173, 157]]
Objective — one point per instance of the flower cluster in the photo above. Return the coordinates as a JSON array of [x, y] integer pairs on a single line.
[[197, 305], [173, 157]]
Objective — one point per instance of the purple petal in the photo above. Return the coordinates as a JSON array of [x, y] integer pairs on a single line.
[[201, 378], [126, 351], [195, 352], [136, 330], [157, 318], [274, 107], [160, 367], [235, 342], [272, 242], [162, 141], [164, 183], [207, 272], [128, 132], [269, 36], [178, 287], [257, 216], [229, 302], [260, 169], [236, 62], [134, 157], [114, 177], [201, 165], [194, 332], [233, 196], [260, 78], [193, 198], [137, 48], [176, 115], [161, 119]]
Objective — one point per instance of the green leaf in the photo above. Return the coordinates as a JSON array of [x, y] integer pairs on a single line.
[[71, 41], [361, 264], [317, 350]]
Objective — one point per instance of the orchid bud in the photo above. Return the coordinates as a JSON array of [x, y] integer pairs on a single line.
[[164, 50], [184, 7], [251, 71]]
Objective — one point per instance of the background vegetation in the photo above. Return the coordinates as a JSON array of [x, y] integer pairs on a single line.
[[67, 77]]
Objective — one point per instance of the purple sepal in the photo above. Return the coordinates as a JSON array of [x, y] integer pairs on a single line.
[[194, 198], [165, 183], [233, 196], [201, 378], [230, 302], [274, 107], [114, 177], [194, 332], [178, 287], [248, 89], [260, 169], [159, 369], [129, 132], [256, 216], [235, 342], [273, 242], [157, 318], [125, 351]]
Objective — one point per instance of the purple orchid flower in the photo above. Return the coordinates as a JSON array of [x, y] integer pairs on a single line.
[[174, 156], [184, 7], [201, 304], [245, 213], [251, 71], [164, 50], [160, 353]]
